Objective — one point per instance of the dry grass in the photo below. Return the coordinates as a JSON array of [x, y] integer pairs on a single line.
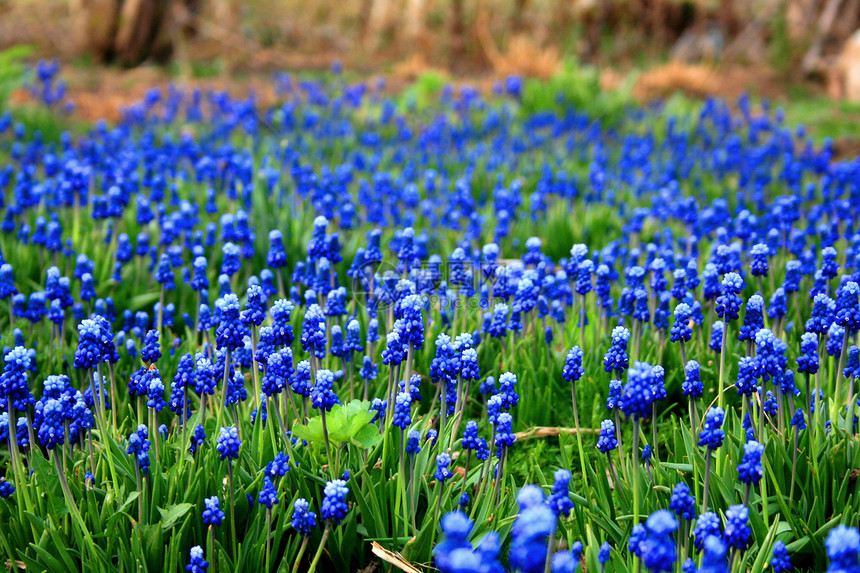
[[662, 81]]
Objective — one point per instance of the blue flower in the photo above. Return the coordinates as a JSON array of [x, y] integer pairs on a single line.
[[770, 355], [714, 556], [747, 375], [843, 547], [737, 533], [278, 467], [334, 506], [507, 393], [637, 393], [402, 403], [753, 318], [758, 260], [682, 502], [255, 308], [150, 352], [637, 536], [573, 369], [269, 494], [848, 307], [276, 257], [499, 324], [378, 407], [469, 369], [138, 446], [6, 488], [196, 563], [454, 549], [807, 361], [707, 524], [604, 554], [680, 328], [692, 385], [823, 314], [615, 393], [778, 306], [212, 514], [781, 560], [503, 431], [14, 386], [442, 473], [712, 435], [230, 332], [658, 549], [413, 442], [798, 421], [729, 303], [198, 438], [607, 440], [52, 414], [564, 562], [852, 365], [530, 531], [716, 342], [559, 499], [322, 395], [303, 521], [750, 469], [282, 329], [228, 443], [835, 336], [616, 359]]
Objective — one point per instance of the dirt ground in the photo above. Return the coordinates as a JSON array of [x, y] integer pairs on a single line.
[[103, 92]]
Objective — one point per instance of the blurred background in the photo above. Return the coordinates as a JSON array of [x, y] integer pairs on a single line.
[[807, 51]]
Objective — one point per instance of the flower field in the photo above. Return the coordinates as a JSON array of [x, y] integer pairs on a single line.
[[359, 331]]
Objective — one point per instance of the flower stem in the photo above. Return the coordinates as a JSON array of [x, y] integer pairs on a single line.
[[232, 508], [320, 548], [707, 481], [578, 436], [331, 468], [635, 470], [268, 538], [301, 553]]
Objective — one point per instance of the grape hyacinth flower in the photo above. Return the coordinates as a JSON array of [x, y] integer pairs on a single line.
[[711, 437], [504, 438], [531, 531], [737, 533], [212, 514], [324, 398], [657, 549], [333, 510], [714, 556], [572, 372], [781, 561], [728, 306], [843, 547], [6, 488], [304, 522], [750, 469]]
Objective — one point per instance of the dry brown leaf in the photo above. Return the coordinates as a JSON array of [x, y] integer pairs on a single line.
[[392, 558], [549, 432]]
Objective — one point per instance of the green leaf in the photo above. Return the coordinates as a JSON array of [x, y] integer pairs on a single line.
[[366, 437], [344, 423], [172, 514]]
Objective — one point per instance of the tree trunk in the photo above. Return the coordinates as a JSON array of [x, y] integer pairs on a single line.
[[458, 27], [133, 31]]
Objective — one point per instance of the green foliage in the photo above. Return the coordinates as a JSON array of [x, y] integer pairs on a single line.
[[577, 87], [12, 70], [422, 92]]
